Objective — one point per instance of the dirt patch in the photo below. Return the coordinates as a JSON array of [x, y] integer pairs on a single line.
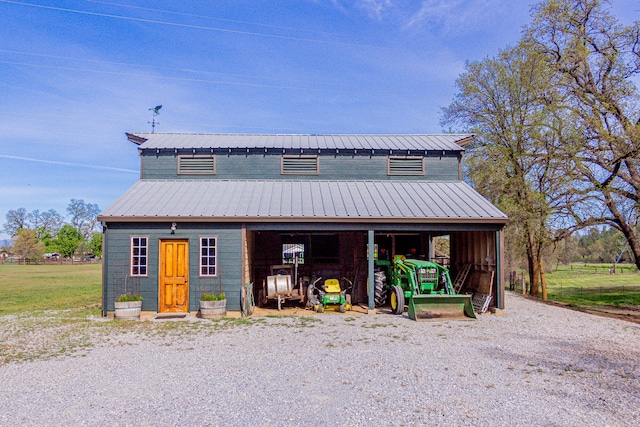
[[292, 310], [628, 313]]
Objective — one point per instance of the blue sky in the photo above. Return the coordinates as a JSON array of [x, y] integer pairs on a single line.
[[76, 75]]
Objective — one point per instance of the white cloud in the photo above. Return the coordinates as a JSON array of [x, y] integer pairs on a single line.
[[454, 15], [375, 8], [79, 165]]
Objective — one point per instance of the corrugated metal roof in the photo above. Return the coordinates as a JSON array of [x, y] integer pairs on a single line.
[[303, 201], [447, 142]]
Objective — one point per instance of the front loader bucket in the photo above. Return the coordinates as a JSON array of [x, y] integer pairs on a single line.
[[434, 307]]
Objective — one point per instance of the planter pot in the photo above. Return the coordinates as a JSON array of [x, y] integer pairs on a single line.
[[128, 309], [213, 309]]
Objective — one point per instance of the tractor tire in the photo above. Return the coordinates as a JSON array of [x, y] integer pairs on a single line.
[[397, 300], [379, 288]]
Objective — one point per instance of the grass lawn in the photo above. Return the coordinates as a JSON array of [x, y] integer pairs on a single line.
[[592, 285], [48, 311], [49, 287]]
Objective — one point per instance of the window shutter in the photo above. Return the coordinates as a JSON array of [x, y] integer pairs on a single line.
[[300, 165], [408, 166], [197, 165]]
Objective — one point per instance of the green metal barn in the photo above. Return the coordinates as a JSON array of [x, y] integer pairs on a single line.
[[220, 210]]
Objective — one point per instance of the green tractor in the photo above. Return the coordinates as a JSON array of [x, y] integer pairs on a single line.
[[425, 285]]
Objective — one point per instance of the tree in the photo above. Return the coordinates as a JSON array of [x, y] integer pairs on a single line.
[[16, 220], [507, 102], [67, 240], [442, 244], [45, 237], [84, 216], [95, 244], [44, 223], [567, 249], [594, 63], [26, 244]]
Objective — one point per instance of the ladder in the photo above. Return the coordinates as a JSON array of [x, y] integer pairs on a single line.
[[461, 277]]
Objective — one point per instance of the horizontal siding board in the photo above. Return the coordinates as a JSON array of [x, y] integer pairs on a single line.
[[338, 167], [229, 251]]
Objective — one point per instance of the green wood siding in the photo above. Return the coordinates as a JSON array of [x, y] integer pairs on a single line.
[[117, 260], [332, 167]]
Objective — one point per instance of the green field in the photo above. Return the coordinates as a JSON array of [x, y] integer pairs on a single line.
[[49, 287], [593, 285], [48, 311]]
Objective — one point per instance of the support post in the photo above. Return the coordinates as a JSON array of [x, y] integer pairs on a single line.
[[370, 278], [105, 269], [499, 273]]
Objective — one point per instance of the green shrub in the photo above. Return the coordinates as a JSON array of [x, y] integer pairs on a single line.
[[212, 296], [128, 297]]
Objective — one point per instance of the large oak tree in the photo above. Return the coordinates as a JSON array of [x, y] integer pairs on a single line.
[[594, 63], [506, 101]]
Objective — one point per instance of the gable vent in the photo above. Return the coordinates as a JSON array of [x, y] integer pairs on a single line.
[[408, 166], [197, 165], [300, 165]]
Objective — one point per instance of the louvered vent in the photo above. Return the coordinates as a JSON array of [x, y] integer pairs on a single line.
[[197, 165], [300, 165], [413, 166]]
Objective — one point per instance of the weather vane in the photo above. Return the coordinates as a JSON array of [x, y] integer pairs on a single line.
[[156, 111]]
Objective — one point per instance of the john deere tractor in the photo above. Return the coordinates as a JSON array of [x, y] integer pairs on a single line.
[[424, 285]]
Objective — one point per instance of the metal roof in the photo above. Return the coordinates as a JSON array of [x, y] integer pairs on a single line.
[[446, 142], [302, 201]]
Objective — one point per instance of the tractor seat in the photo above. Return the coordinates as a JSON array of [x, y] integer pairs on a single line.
[[332, 286]]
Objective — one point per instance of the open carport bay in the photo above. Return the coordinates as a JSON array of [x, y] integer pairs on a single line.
[[531, 364], [335, 252]]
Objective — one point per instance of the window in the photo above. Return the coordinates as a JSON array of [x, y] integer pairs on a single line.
[[300, 165], [208, 256], [139, 256], [197, 165], [291, 251], [407, 166]]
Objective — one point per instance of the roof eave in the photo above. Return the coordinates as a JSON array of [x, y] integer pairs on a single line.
[[346, 220], [463, 142], [138, 140]]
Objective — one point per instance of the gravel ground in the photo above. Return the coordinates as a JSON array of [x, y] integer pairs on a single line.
[[530, 365]]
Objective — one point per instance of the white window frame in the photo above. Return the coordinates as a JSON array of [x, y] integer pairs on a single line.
[[139, 257], [208, 256]]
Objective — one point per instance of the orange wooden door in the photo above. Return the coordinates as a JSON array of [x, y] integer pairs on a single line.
[[174, 276]]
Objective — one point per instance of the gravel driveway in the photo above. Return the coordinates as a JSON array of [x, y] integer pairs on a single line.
[[531, 365]]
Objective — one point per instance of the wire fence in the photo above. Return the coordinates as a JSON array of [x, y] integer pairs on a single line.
[[628, 293], [50, 261], [594, 291]]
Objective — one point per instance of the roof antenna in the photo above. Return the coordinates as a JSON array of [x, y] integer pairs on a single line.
[[156, 111]]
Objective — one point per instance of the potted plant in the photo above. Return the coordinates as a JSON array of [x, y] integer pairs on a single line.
[[128, 306], [213, 306]]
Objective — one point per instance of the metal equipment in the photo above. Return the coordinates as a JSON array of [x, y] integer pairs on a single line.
[[281, 285], [427, 288], [321, 295]]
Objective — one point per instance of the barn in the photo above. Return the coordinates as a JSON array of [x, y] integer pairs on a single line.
[[218, 211]]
